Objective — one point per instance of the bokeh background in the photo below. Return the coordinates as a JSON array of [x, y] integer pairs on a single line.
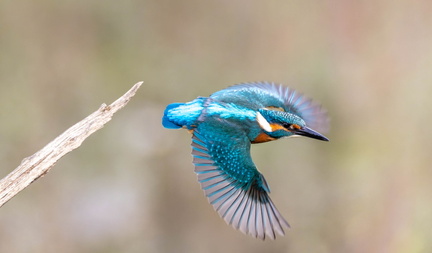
[[131, 186]]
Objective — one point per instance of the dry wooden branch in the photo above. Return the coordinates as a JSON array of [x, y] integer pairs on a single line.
[[37, 165]]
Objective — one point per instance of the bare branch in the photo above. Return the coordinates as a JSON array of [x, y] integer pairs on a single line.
[[37, 165]]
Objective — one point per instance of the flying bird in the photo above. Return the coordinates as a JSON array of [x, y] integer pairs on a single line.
[[223, 127]]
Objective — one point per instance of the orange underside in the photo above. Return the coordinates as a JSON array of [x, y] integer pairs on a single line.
[[262, 137]]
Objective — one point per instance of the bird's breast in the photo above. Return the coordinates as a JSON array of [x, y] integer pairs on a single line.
[[263, 137]]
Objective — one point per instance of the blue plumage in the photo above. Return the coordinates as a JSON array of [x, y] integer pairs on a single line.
[[224, 126], [166, 122]]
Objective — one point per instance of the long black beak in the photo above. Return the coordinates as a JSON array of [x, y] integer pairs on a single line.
[[306, 131]]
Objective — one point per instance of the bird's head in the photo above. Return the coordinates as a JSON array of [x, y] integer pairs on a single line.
[[278, 123]]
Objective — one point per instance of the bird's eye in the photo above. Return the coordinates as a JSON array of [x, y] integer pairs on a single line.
[[292, 127], [287, 125]]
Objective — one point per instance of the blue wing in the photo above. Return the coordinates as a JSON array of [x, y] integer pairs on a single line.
[[230, 180], [265, 94]]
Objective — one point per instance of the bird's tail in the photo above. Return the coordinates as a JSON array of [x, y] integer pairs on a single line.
[[166, 122]]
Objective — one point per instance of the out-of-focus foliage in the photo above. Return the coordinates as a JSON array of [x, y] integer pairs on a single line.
[[131, 186]]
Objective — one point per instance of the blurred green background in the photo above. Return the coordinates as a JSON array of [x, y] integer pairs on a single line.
[[131, 186]]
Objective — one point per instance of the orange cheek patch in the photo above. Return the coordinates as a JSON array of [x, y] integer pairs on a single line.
[[274, 108], [295, 126], [276, 127]]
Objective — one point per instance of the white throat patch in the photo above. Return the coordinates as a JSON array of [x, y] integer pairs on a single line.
[[263, 123]]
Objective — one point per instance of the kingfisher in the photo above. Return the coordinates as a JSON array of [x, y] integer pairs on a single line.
[[223, 127]]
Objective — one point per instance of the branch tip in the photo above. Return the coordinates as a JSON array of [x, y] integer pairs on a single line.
[[39, 164]]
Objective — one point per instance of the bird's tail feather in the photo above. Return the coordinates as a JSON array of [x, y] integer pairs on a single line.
[[166, 122]]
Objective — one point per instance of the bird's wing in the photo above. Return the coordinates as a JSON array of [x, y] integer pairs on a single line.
[[233, 185], [291, 101]]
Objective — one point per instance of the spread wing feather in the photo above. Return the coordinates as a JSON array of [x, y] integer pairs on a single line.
[[233, 185]]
